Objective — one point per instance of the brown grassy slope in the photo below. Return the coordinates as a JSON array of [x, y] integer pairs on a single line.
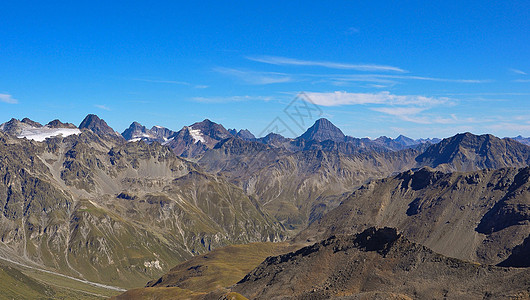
[[211, 272]]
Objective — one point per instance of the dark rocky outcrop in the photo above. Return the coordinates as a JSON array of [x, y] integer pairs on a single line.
[[378, 264], [96, 125], [323, 130]]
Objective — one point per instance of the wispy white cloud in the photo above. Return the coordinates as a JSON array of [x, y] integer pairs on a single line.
[[339, 98], [352, 30], [104, 107], [382, 78], [410, 108], [176, 82], [517, 71], [411, 114], [278, 60], [253, 77], [6, 98], [507, 126], [522, 80], [163, 81], [400, 111], [231, 99]]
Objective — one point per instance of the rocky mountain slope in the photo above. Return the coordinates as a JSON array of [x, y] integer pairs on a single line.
[[137, 132], [522, 140], [95, 207], [478, 216], [298, 188], [323, 130], [469, 152], [92, 205], [378, 264], [97, 125]]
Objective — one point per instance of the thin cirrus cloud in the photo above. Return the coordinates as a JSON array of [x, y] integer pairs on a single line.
[[286, 61], [162, 81], [104, 107], [410, 114], [339, 98], [230, 99], [6, 98], [383, 78], [404, 107], [253, 77], [176, 82], [517, 71]]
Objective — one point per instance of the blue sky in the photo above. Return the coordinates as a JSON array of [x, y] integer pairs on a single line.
[[373, 67]]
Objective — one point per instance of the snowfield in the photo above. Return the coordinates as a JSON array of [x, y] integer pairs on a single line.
[[196, 135], [40, 134]]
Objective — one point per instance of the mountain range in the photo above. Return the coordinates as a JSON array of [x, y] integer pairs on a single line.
[[123, 209]]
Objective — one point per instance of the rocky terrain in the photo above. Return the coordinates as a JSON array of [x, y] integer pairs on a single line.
[[378, 264], [98, 208], [477, 216], [122, 210], [298, 187]]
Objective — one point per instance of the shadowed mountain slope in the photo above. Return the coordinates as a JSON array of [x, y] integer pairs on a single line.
[[378, 264], [478, 216], [469, 152]]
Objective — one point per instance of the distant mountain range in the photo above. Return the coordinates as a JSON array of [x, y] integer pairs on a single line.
[[123, 209], [194, 140], [298, 180]]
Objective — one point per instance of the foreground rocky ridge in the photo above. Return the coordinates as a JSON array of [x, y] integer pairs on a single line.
[[377, 264]]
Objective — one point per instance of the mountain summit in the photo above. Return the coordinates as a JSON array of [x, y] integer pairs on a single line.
[[136, 130], [323, 130], [97, 125]]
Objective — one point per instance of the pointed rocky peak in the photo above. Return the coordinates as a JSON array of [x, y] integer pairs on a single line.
[[162, 132], [522, 140], [405, 141], [246, 135], [211, 129], [95, 124], [135, 130], [31, 123], [13, 126], [58, 124], [323, 130]]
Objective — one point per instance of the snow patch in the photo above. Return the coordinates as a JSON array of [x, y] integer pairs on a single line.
[[166, 141], [196, 135], [42, 133], [153, 264], [134, 140], [158, 126]]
